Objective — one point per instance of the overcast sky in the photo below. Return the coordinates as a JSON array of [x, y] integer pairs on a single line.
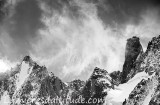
[[71, 37]]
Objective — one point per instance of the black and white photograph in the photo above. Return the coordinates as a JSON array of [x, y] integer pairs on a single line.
[[79, 52]]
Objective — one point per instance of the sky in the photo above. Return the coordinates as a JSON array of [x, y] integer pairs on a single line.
[[72, 37]]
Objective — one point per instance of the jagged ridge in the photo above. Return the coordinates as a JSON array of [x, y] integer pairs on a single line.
[[38, 83]]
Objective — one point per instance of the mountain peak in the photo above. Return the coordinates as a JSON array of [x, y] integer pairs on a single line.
[[154, 43], [27, 58], [33, 80], [99, 72], [134, 38], [101, 75], [133, 50]]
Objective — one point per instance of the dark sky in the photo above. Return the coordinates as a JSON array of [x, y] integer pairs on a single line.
[[22, 26], [124, 11], [70, 36]]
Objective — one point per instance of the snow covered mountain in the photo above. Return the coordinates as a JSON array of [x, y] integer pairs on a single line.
[[31, 84], [138, 83], [147, 91]]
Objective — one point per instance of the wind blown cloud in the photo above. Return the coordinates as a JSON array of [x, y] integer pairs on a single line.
[[5, 64], [71, 37], [75, 46]]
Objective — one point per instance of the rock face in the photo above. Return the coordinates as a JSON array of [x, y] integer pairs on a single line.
[[143, 92], [96, 87], [31, 84], [116, 77], [147, 91], [133, 50]]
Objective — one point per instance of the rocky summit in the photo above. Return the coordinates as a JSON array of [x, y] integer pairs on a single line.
[[133, 50], [147, 91], [138, 83]]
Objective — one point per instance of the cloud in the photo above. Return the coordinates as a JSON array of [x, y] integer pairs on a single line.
[[20, 25], [120, 13], [5, 65], [7, 9], [77, 46], [147, 28], [71, 37]]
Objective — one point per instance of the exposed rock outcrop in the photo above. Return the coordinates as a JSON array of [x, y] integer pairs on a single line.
[[133, 50], [147, 91], [97, 86], [31, 84], [116, 77]]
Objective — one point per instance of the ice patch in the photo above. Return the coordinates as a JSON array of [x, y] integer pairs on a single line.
[[148, 98], [120, 93], [66, 84], [5, 100], [24, 73], [151, 93]]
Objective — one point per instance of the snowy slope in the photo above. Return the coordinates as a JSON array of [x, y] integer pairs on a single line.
[[120, 93], [24, 73], [5, 100]]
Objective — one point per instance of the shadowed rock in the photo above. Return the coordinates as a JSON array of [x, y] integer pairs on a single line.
[[147, 92], [97, 86], [116, 76], [133, 49]]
